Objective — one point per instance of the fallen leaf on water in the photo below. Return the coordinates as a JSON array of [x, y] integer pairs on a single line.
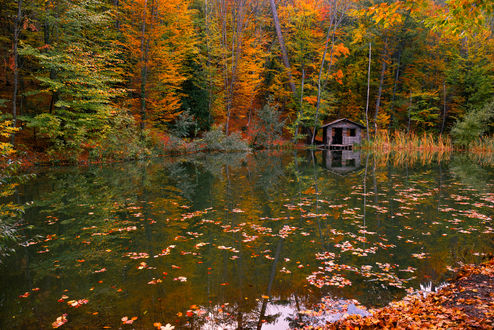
[[126, 320], [77, 303], [61, 320]]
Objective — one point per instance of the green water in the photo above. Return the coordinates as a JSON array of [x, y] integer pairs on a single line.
[[238, 240]]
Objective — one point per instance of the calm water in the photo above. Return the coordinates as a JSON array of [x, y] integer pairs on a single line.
[[239, 240]]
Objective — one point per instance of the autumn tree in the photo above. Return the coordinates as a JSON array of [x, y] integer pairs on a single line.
[[159, 40]]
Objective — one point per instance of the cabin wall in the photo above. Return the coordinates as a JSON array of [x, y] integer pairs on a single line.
[[347, 139]]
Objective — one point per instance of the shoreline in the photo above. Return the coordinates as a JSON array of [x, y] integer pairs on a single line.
[[467, 301]]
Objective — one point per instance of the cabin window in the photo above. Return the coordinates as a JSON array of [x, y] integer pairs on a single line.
[[352, 131]]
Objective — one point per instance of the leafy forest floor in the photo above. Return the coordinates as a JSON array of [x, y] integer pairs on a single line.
[[466, 302]]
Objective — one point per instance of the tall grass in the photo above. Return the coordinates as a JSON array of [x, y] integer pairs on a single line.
[[383, 141], [482, 146], [482, 150], [402, 148]]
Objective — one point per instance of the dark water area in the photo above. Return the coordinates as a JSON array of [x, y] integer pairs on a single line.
[[239, 240]]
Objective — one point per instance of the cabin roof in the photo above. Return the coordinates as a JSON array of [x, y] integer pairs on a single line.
[[340, 120]]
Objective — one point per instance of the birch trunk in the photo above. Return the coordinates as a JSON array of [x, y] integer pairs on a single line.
[[17, 30], [381, 81], [445, 110], [144, 69], [368, 92]]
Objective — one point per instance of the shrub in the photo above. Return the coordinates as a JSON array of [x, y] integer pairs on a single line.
[[184, 125], [216, 140], [474, 125], [268, 127], [123, 140]]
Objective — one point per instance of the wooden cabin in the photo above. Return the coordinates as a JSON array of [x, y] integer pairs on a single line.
[[342, 134]]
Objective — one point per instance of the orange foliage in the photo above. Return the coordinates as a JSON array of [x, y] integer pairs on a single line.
[[159, 37]]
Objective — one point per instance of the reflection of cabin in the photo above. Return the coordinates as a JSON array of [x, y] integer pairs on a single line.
[[342, 134], [341, 161]]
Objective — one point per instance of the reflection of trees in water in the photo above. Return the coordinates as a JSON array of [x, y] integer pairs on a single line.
[[11, 209], [268, 171], [215, 163], [472, 174], [184, 177], [188, 173]]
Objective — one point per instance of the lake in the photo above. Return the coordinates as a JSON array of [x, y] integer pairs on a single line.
[[240, 240]]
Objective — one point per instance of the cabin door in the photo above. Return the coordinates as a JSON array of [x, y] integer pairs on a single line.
[[337, 135]]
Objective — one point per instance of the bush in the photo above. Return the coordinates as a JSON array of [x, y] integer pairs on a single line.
[[173, 144], [268, 127], [184, 125], [216, 140], [123, 140], [474, 125]]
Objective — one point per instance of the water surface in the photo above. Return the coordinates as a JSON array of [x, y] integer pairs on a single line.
[[239, 240]]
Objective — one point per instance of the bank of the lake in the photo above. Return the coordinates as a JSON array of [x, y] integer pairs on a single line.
[[467, 302]]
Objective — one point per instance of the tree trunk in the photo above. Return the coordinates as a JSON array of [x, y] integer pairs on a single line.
[[368, 93], [395, 84], [208, 63], [236, 49], [284, 54], [48, 38], [445, 110], [334, 23], [301, 110], [401, 46], [144, 69], [17, 30], [321, 68], [116, 4], [409, 113], [381, 81]]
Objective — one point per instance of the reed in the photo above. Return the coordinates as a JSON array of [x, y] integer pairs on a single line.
[[401, 148], [483, 145], [399, 141]]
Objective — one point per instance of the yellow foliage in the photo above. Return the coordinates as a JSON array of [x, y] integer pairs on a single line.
[[6, 130]]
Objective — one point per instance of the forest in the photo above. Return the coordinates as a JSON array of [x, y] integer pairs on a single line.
[[121, 77]]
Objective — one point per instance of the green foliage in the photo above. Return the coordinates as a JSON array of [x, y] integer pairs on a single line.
[[79, 73], [216, 140], [122, 141], [47, 124], [184, 125], [424, 113], [474, 125], [472, 81], [269, 127]]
